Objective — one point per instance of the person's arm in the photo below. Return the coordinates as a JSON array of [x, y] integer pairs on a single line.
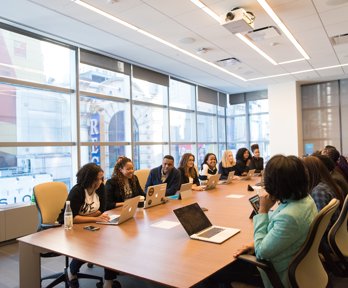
[[102, 217], [204, 171], [174, 184], [113, 195], [196, 185]]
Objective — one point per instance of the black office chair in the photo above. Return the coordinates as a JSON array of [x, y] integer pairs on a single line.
[[306, 268], [50, 198]]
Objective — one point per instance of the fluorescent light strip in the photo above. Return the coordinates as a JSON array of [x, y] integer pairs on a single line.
[[257, 49], [281, 25], [212, 14], [299, 72], [128, 25], [291, 61]]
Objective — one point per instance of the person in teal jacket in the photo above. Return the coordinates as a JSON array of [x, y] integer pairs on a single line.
[[278, 235]]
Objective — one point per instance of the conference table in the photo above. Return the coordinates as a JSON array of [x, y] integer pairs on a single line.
[[140, 248]]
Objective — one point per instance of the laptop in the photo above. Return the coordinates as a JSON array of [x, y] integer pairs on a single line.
[[249, 175], [212, 182], [155, 195], [198, 226], [229, 178], [185, 191], [128, 210]]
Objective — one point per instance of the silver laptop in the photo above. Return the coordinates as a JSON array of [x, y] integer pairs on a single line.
[[249, 175], [155, 195], [229, 178], [212, 182], [198, 226], [185, 191], [128, 210]]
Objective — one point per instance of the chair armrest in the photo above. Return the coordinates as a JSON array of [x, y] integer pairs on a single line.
[[266, 266]]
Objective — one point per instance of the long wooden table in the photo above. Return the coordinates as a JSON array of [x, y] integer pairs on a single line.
[[166, 256]]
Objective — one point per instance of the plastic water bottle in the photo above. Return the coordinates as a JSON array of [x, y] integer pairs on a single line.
[[68, 216]]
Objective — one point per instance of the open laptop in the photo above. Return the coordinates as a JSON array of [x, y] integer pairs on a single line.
[[185, 191], [128, 210], [229, 178], [249, 175], [198, 226], [212, 182], [155, 195]]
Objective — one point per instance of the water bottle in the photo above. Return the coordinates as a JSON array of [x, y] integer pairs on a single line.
[[68, 216]]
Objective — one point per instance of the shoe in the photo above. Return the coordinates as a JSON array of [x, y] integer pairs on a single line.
[[116, 284], [73, 283]]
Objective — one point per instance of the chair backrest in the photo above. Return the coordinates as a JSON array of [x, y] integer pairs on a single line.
[[338, 234], [306, 268], [142, 175], [50, 198]]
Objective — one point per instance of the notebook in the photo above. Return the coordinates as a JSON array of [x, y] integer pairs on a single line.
[[249, 175], [212, 182], [155, 195], [128, 210], [229, 178], [198, 226], [185, 191]]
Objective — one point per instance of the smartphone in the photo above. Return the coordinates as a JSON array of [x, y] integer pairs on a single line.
[[255, 203], [91, 228]]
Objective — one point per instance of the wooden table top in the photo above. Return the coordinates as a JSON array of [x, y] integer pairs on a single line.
[[166, 256]]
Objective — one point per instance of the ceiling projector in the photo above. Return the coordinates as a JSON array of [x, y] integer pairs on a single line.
[[238, 20]]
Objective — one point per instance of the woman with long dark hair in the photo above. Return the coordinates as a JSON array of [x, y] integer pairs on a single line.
[[123, 184], [188, 171], [243, 158]]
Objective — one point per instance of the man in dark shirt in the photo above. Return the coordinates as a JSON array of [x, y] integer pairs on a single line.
[[166, 173]]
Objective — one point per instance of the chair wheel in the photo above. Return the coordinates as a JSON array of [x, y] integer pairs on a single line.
[[90, 265]]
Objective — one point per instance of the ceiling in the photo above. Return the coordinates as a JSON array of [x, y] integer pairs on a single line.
[[183, 24]]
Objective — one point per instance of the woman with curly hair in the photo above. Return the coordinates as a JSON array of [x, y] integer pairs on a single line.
[[243, 158], [188, 171], [123, 184]]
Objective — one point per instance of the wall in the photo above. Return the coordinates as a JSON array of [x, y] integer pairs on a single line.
[[285, 118]]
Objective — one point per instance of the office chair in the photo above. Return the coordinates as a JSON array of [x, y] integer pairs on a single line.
[[338, 241], [50, 198], [142, 175], [306, 268]]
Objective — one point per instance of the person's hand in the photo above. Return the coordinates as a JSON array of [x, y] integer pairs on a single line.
[[266, 202], [197, 188], [103, 218], [245, 249]]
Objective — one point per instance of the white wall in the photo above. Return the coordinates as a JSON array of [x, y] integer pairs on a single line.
[[285, 118]]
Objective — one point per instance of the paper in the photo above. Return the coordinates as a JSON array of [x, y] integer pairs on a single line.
[[235, 196], [165, 224]]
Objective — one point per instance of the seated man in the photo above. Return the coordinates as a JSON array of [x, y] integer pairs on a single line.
[[166, 173]]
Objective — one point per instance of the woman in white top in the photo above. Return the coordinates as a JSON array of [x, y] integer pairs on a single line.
[[208, 167]]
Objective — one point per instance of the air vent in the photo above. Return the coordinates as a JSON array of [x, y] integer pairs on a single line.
[[340, 39], [228, 62], [264, 33]]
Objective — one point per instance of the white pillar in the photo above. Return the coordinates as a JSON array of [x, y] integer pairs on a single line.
[[285, 118]]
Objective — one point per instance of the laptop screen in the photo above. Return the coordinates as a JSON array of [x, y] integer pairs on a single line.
[[192, 218]]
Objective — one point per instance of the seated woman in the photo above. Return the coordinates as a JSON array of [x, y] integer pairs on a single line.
[[88, 204], [256, 161], [243, 160], [280, 234], [208, 166], [188, 171], [227, 164], [122, 185]]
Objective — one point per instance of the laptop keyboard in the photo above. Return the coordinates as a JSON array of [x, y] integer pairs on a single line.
[[211, 232]]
